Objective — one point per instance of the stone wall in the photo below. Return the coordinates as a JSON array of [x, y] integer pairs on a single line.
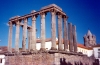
[[48, 59]]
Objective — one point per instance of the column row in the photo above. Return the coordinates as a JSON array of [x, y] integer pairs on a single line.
[[32, 34]]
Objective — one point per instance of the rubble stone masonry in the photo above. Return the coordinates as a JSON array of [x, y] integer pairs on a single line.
[[48, 59]]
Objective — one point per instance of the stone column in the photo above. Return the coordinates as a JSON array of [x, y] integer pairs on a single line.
[[17, 36], [53, 29], [74, 38], [60, 32], [10, 37], [70, 37], [29, 38], [42, 31], [33, 45], [24, 35], [65, 34]]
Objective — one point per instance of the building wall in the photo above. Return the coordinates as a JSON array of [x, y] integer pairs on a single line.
[[95, 50], [2, 59], [90, 53], [84, 51], [48, 47]]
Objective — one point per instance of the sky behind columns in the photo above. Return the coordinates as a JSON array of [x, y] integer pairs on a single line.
[[85, 14]]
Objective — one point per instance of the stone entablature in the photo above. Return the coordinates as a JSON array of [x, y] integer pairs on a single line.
[[35, 13]]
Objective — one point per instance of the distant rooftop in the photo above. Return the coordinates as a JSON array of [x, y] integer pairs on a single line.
[[89, 33]]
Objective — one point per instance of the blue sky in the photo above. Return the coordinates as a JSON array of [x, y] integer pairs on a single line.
[[85, 14]]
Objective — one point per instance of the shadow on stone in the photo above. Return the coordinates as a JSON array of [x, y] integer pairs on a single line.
[[81, 63], [96, 62], [63, 62], [76, 63]]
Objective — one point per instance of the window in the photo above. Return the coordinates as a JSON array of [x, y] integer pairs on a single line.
[[98, 49], [98, 54], [0, 60], [86, 51]]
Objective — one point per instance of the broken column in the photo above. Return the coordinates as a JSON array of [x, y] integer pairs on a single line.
[[33, 45], [74, 38], [24, 35], [42, 31], [17, 36], [29, 38], [60, 32], [65, 34], [70, 37], [10, 37], [53, 29]]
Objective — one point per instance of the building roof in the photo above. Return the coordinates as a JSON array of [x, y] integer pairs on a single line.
[[89, 33], [82, 46], [4, 49], [98, 45]]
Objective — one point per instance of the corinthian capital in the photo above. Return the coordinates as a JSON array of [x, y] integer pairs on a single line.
[[33, 18], [42, 14], [53, 11], [59, 15]]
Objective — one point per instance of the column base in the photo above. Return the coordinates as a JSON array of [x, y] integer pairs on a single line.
[[60, 49], [53, 48], [65, 49], [23, 50], [33, 51], [16, 52], [9, 52], [42, 49]]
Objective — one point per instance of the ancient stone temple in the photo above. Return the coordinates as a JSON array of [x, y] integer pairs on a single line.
[[55, 11], [89, 39], [54, 56]]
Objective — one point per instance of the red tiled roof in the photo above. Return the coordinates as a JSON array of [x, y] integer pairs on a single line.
[[4, 49], [98, 45], [82, 46]]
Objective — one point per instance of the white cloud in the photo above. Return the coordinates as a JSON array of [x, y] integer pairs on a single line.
[[6, 24]]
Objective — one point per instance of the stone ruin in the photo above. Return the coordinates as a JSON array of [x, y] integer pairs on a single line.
[[54, 56]]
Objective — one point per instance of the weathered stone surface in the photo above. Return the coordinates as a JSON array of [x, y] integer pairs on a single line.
[[33, 44], [74, 38], [17, 36], [60, 47], [29, 38], [70, 37], [53, 29], [42, 31], [65, 34], [24, 35], [10, 37], [47, 59], [51, 5]]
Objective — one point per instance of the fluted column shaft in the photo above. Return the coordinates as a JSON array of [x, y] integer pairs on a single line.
[[74, 38], [10, 37], [33, 44], [17, 36], [29, 38], [60, 32], [24, 35], [53, 29], [70, 37], [42, 31], [65, 34]]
